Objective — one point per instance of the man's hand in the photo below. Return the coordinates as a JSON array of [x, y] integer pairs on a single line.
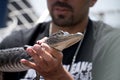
[[47, 62]]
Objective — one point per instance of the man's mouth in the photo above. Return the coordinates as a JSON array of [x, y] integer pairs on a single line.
[[61, 10]]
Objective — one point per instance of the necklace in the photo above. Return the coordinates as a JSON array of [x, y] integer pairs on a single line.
[[76, 52], [50, 29]]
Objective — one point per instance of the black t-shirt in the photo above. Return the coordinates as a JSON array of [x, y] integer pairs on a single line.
[[82, 67]]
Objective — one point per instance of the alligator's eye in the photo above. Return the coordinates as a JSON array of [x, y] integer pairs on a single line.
[[60, 33]]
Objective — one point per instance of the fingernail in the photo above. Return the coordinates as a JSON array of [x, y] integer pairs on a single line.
[[26, 46]]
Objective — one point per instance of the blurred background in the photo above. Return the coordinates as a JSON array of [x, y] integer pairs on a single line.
[[18, 14]]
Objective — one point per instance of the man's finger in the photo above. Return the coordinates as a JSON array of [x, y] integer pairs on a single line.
[[28, 63], [36, 57], [42, 40]]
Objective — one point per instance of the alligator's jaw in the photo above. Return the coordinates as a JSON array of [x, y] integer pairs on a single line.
[[67, 42], [64, 40]]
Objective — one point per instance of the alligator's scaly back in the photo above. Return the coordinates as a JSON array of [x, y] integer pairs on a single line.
[[10, 58]]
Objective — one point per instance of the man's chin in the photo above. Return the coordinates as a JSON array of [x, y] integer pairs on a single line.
[[62, 24]]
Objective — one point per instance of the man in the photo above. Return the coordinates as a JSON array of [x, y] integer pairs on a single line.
[[75, 62]]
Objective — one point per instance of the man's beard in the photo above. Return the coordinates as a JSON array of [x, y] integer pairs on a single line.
[[62, 21]]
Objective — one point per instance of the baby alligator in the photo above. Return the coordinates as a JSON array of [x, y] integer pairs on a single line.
[[10, 58]]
